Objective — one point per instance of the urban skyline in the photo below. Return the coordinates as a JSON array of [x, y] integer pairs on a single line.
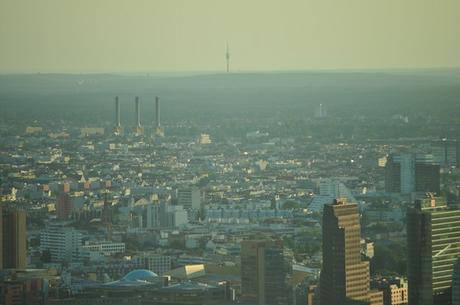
[[209, 152]]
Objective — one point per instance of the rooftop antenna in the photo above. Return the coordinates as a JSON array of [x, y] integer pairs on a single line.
[[227, 57]]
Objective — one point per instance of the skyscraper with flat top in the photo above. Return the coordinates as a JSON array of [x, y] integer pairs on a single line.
[[433, 244], [13, 251], [345, 278], [408, 172], [263, 272]]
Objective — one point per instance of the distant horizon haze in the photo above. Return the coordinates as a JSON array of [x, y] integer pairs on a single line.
[[113, 36]]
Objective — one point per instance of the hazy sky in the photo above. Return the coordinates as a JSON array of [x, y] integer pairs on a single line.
[[186, 35]]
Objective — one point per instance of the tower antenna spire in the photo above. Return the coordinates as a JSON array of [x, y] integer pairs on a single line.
[[227, 57]]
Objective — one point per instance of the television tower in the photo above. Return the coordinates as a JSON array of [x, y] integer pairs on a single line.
[[227, 57]]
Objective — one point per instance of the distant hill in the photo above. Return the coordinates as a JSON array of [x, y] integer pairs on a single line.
[[344, 93]]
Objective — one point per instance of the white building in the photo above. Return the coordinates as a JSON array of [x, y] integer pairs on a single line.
[[204, 139], [329, 190], [63, 242], [106, 247], [163, 215]]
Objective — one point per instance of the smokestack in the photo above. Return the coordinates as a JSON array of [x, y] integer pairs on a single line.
[[117, 112], [138, 112], [157, 111]]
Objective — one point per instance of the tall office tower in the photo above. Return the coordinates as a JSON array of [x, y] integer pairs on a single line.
[[163, 215], [138, 129], [456, 284], [433, 244], [446, 152], [64, 206], [189, 198], [407, 173], [159, 131], [227, 57], [345, 278], [13, 238], [263, 272], [117, 128], [63, 242]]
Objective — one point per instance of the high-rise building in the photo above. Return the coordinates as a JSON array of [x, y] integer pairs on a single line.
[[63, 242], [13, 238], [345, 278], [189, 198], [407, 173], [163, 215], [446, 152], [64, 206], [433, 244], [263, 272], [456, 284]]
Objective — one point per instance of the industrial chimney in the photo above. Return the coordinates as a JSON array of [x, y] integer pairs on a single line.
[[157, 112], [138, 113], [117, 113]]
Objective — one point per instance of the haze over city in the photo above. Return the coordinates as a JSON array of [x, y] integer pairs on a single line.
[[164, 35], [203, 152]]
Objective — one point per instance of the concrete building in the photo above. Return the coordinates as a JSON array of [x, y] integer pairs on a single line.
[[107, 247], [163, 215], [433, 234], [395, 290], [204, 139], [330, 189], [345, 278], [64, 206], [62, 242], [24, 291], [13, 239], [189, 198], [263, 272], [160, 264]]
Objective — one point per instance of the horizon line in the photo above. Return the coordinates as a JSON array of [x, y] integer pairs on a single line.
[[210, 72]]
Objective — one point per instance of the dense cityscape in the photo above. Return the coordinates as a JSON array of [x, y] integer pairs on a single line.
[[137, 209], [215, 152]]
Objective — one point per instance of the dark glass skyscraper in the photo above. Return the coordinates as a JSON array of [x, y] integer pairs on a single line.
[[407, 173], [263, 272], [13, 251], [433, 242]]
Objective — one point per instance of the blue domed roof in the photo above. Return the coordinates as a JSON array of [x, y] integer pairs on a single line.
[[140, 275]]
